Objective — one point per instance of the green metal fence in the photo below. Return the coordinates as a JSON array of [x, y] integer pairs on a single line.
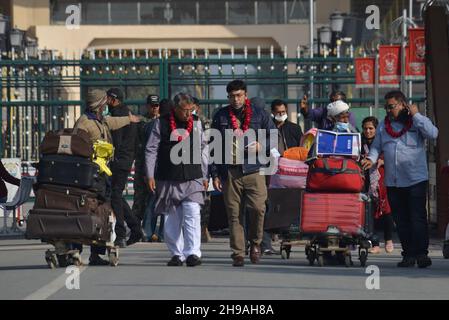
[[41, 95]]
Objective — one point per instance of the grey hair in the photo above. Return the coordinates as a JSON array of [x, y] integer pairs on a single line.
[[183, 99]]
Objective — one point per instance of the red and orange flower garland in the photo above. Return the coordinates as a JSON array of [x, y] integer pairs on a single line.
[[175, 129], [395, 134], [248, 112]]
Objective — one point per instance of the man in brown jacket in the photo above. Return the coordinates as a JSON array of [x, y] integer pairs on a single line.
[[99, 126]]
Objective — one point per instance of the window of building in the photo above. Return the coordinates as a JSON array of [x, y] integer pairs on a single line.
[[240, 12], [95, 12], [124, 12], [212, 12], [271, 12]]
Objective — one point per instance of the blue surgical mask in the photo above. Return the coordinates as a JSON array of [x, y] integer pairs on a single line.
[[105, 111], [342, 126]]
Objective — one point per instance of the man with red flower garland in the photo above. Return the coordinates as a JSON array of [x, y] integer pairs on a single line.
[[401, 138], [180, 182], [242, 184]]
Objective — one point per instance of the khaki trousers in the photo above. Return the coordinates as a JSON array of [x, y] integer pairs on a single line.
[[242, 192]]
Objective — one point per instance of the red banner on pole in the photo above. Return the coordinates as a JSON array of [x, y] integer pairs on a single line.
[[389, 66], [364, 72], [413, 70], [417, 43]]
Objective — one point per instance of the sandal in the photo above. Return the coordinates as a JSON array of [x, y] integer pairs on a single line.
[[389, 246], [374, 250]]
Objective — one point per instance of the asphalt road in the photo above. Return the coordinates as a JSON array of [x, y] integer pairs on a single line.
[[142, 274]]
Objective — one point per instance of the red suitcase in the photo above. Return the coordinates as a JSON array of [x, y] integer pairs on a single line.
[[346, 211]]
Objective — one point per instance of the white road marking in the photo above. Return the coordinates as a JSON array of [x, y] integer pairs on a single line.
[[51, 288]]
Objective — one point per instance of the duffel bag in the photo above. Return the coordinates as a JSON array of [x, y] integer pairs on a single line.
[[290, 174], [335, 175], [65, 198], [74, 142]]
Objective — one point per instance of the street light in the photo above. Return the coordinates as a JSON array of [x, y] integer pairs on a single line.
[[31, 47], [3, 24], [337, 20], [16, 37]]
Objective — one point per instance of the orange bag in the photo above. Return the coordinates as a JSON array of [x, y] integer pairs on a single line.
[[296, 153]]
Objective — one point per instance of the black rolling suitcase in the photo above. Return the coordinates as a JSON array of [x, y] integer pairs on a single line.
[[283, 209], [70, 171]]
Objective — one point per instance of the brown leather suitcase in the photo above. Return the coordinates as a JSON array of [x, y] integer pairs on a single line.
[[48, 224], [74, 142], [65, 198]]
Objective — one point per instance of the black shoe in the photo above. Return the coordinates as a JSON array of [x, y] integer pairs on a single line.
[[175, 262], [134, 237], [121, 243], [96, 260], [193, 261], [423, 261], [407, 262]]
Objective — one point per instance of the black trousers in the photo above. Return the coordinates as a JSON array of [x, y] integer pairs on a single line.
[[387, 224], [120, 206], [409, 211]]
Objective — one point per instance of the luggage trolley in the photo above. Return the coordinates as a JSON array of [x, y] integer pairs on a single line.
[[336, 220]]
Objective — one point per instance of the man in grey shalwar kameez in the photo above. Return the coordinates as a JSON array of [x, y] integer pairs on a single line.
[[180, 184]]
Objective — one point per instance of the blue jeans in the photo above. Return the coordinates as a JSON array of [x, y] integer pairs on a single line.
[[150, 220], [409, 211]]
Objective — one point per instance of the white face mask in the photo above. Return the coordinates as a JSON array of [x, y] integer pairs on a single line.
[[280, 118]]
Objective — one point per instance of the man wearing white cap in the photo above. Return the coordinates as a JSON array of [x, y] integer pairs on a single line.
[[338, 113]]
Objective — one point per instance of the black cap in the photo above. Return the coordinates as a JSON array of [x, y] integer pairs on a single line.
[[115, 93], [153, 99]]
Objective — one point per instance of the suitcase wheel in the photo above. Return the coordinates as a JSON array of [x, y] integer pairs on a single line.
[[285, 251], [311, 255], [348, 260], [320, 260], [113, 257], [446, 250], [50, 258], [363, 257]]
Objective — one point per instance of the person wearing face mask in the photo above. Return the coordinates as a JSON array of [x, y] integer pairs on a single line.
[[320, 115], [339, 115], [289, 133], [99, 126], [401, 138], [124, 144]]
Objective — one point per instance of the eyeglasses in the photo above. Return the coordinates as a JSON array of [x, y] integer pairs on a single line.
[[390, 107]]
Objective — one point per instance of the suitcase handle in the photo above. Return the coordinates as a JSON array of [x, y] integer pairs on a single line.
[[344, 167]]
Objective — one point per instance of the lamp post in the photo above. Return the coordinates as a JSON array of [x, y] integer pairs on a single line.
[[16, 37], [325, 36], [337, 20]]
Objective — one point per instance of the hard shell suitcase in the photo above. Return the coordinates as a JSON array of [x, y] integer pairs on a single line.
[[65, 198], [324, 211], [67, 141], [69, 171], [47, 224], [283, 209]]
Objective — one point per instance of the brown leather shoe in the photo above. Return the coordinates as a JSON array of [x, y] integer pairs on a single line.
[[254, 254], [238, 261]]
